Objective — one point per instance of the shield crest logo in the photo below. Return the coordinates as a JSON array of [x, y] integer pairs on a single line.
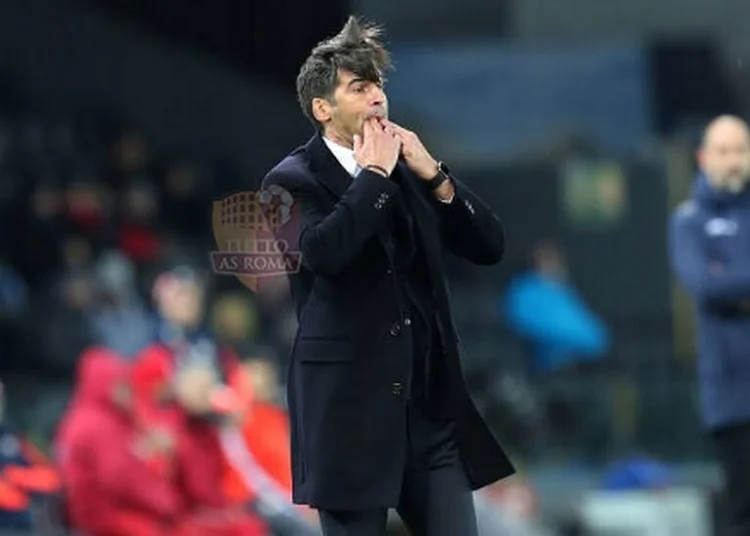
[[256, 234]]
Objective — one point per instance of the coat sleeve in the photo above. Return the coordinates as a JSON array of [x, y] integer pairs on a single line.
[[329, 239], [468, 227], [728, 284]]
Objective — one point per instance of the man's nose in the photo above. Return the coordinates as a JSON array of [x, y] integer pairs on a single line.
[[378, 96]]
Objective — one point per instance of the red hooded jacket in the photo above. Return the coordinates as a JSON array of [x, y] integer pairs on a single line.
[[110, 490], [202, 462]]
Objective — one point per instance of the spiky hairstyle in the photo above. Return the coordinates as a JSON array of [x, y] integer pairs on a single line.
[[356, 48]]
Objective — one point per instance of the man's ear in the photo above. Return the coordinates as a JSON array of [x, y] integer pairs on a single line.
[[322, 110], [699, 155]]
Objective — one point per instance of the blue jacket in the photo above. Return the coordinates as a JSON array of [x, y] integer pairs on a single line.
[[555, 321], [709, 240]]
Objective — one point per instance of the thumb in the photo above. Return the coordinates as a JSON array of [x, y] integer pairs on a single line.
[[357, 142]]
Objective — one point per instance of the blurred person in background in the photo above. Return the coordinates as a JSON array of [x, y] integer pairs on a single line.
[[709, 239], [261, 460], [43, 349], [87, 209], [265, 426], [121, 320], [209, 412], [185, 201], [15, 311], [139, 234], [62, 327], [196, 387], [566, 342], [179, 296], [115, 469], [129, 157], [14, 292], [39, 225], [234, 320], [26, 476], [544, 310], [381, 417]]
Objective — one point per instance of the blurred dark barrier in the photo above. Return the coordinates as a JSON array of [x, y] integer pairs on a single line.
[[679, 94], [269, 37], [435, 19], [65, 59]]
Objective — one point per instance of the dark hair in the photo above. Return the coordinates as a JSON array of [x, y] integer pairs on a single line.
[[356, 48]]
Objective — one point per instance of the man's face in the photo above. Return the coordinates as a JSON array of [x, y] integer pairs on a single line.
[[550, 260], [262, 375], [122, 395], [193, 387], [725, 156], [182, 305], [354, 100]]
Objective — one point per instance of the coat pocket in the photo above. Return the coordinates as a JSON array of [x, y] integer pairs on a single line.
[[323, 350]]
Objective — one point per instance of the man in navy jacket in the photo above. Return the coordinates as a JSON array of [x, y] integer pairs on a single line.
[[710, 250]]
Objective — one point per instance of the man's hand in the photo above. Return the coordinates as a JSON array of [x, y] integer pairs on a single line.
[[193, 387], [419, 160], [376, 147], [417, 157]]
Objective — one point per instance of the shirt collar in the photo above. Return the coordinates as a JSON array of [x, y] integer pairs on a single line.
[[344, 155]]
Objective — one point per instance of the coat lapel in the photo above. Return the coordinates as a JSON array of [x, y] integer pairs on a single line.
[[326, 169]]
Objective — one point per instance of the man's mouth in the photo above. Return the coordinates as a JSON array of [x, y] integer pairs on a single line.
[[377, 113]]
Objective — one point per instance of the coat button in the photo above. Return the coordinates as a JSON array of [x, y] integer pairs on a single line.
[[395, 330], [407, 322], [389, 271], [397, 388]]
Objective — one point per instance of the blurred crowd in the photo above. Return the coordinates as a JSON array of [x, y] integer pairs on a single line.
[[91, 217], [116, 340]]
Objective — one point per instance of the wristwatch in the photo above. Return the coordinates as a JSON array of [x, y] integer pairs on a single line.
[[443, 175]]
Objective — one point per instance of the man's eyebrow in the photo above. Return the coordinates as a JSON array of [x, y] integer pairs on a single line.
[[357, 80]]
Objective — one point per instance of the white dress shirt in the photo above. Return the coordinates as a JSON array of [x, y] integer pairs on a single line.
[[345, 156]]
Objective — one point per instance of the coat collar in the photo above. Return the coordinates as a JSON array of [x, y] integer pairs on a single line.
[[331, 174], [327, 170]]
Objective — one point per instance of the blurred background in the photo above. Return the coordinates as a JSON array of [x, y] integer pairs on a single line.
[[122, 120]]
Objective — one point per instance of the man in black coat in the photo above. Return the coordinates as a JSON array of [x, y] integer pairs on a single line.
[[380, 414]]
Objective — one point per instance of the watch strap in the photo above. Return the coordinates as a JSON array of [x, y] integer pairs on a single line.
[[442, 176]]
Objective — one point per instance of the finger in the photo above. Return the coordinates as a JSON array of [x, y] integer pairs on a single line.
[[392, 129], [368, 129], [377, 131], [393, 126], [357, 142]]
